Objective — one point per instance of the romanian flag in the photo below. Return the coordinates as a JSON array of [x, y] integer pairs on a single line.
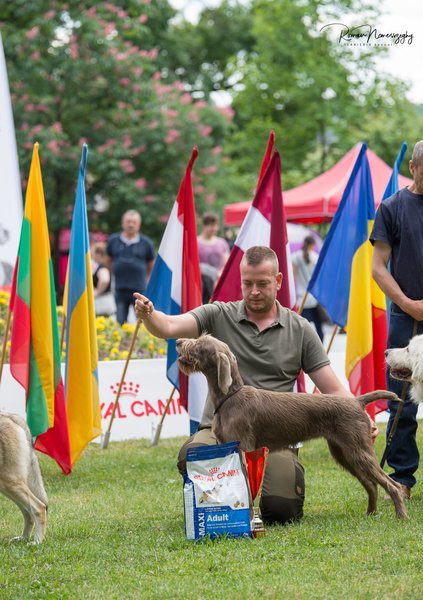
[[35, 352], [81, 379], [342, 282], [175, 286]]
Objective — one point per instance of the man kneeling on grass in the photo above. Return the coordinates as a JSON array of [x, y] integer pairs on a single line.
[[271, 344]]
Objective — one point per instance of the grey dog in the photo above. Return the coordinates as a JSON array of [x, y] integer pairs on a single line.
[[277, 420]]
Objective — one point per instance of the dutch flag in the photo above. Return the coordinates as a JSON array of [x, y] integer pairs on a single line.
[[175, 286]]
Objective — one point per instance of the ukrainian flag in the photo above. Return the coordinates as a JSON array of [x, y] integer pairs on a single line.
[[81, 379], [342, 282]]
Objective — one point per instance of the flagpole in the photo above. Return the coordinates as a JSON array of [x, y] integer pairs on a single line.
[[62, 334], [106, 437], [6, 335], [158, 431], [334, 332], [300, 310]]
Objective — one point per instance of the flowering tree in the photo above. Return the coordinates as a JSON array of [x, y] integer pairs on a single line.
[[93, 72]]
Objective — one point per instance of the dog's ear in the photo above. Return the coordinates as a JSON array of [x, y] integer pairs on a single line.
[[224, 377]]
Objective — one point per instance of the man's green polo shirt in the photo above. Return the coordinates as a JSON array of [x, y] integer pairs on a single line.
[[270, 359]]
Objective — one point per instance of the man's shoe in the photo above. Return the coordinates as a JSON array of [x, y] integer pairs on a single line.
[[406, 493]]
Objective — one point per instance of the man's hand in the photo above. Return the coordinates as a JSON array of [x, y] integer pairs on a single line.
[[414, 308], [374, 429], [143, 306]]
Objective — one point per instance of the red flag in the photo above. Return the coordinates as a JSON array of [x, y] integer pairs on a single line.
[[264, 225], [191, 276]]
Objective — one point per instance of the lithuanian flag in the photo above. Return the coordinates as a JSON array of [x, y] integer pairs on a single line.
[[82, 394], [35, 352], [342, 282]]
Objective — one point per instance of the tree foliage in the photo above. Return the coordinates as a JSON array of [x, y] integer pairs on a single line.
[[91, 72]]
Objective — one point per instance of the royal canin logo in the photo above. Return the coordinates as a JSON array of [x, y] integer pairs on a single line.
[[129, 388], [214, 470]]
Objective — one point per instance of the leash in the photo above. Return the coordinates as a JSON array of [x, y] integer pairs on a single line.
[[405, 387], [219, 406]]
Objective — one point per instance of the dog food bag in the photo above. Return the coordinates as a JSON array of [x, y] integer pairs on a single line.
[[216, 493]]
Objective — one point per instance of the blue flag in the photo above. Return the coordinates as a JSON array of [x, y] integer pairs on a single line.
[[331, 280]]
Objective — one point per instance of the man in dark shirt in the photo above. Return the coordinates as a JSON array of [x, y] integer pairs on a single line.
[[398, 239], [132, 255]]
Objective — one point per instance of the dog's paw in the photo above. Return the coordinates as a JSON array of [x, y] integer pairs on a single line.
[[18, 538]]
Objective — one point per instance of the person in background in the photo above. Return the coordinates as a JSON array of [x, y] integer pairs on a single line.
[[303, 263], [213, 252], [104, 301], [397, 237], [132, 255]]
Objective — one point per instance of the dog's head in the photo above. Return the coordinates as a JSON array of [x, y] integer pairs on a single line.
[[207, 355], [406, 364]]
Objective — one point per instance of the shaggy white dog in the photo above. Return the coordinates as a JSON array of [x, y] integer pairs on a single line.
[[407, 365]]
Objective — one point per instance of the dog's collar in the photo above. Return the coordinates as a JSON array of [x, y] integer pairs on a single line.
[[219, 406]]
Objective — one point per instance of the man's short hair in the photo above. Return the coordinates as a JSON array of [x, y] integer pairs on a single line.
[[132, 213], [210, 218], [417, 156], [257, 254]]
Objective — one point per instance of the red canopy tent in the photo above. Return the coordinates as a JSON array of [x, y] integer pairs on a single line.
[[317, 200]]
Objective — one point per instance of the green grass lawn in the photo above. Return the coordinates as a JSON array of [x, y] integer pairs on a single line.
[[116, 530]]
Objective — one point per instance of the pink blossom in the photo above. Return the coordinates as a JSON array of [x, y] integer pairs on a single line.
[[209, 170], [82, 141], [127, 140], [42, 108], [127, 165], [121, 55], [136, 88], [49, 14], [164, 219], [186, 98], [147, 1], [153, 125], [122, 13], [140, 184], [24, 127], [157, 76], [112, 7], [201, 104], [199, 189], [53, 146], [36, 55], [73, 51], [91, 11], [36, 129], [170, 112], [178, 85], [32, 33], [125, 81], [154, 53], [138, 71], [216, 150], [109, 28], [98, 124], [205, 130], [138, 150], [172, 136], [149, 198], [30, 107], [210, 198], [227, 111], [193, 116], [143, 19], [57, 127]]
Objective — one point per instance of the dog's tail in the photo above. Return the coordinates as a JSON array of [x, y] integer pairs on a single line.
[[377, 395]]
